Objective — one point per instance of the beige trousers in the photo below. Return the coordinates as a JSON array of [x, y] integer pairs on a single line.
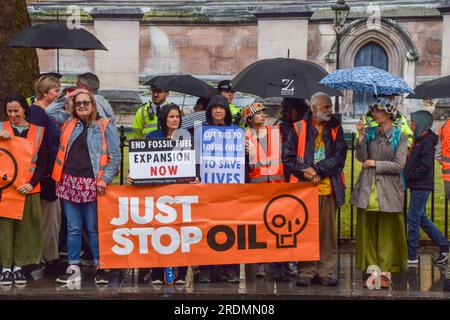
[[51, 223], [328, 242]]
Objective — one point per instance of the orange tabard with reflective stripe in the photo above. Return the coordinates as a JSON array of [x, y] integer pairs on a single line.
[[444, 134], [265, 165], [35, 135], [301, 128], [66, 132]]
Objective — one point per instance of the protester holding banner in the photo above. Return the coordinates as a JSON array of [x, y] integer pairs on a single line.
[[264, 147], [218, 113], [47, 90], [21, 240], [169, 121], [87, 161], [263, 152], [315, 151], [378, 194]]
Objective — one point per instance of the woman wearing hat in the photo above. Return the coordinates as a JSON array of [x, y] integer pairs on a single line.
[[378, 194], [264, 163], [263, 146]]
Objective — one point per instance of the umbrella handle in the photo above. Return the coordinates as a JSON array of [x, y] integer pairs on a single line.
[[182, 106], [364, 102]]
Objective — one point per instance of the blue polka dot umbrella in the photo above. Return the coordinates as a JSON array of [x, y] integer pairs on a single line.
[[367, 79]]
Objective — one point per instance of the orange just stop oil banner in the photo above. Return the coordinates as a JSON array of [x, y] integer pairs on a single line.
[[15, 161], [203, 224]]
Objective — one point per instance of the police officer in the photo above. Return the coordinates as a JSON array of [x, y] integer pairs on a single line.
[[225, 89], [146, 117]]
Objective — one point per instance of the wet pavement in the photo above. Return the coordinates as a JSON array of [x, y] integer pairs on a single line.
[[422, 282]]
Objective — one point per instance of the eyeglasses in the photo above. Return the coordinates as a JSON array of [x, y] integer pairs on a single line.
[[84, 103]]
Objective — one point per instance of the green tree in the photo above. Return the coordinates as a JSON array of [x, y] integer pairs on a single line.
[[19, 68]]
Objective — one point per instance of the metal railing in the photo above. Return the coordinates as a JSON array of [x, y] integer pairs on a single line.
[[350, 139]]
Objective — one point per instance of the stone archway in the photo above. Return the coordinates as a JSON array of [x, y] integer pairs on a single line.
[[392, 37]]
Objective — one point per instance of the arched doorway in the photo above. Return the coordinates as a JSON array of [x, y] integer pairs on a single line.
[[371, 54]]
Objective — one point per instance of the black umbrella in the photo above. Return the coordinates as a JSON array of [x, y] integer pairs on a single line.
[[183, 83], [55, 35], [282, 77], [437, 88]]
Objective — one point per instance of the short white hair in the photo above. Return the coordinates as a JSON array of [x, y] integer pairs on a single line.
[[320, 95]]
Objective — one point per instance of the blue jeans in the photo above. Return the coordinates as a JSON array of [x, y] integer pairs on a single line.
[[417, 218], [76, 214]]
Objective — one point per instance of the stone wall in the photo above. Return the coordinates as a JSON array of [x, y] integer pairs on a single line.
[[225, 50], [320, 39], [427, 36], [220, 43], [199, 50]]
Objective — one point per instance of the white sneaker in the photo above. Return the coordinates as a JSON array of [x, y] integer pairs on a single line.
[[157, 282], [443, 257]]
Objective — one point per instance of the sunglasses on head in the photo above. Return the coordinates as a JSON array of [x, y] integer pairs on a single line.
[[84, 103], [383, 103]]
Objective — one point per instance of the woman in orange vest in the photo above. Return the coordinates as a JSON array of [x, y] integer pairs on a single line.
[[21, 240], [87, 161], [263, 159], [443, 157], [263, 145]]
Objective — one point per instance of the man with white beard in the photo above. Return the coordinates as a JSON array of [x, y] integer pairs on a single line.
[[315, 151]]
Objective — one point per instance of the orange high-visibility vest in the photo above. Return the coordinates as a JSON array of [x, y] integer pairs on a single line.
[[444, 135], [35, 136], [300, 128], [66, 132], [266, 166]]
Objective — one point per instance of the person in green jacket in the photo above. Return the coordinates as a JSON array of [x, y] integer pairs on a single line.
[[146, 117], [225, 89]]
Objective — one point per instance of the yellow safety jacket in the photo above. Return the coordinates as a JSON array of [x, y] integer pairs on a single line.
[[145, 121], [236, 115], [30, 100]]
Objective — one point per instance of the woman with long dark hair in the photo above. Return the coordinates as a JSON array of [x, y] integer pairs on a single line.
[[169, 120]]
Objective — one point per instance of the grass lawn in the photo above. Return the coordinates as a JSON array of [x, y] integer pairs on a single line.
[[345, 217]]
